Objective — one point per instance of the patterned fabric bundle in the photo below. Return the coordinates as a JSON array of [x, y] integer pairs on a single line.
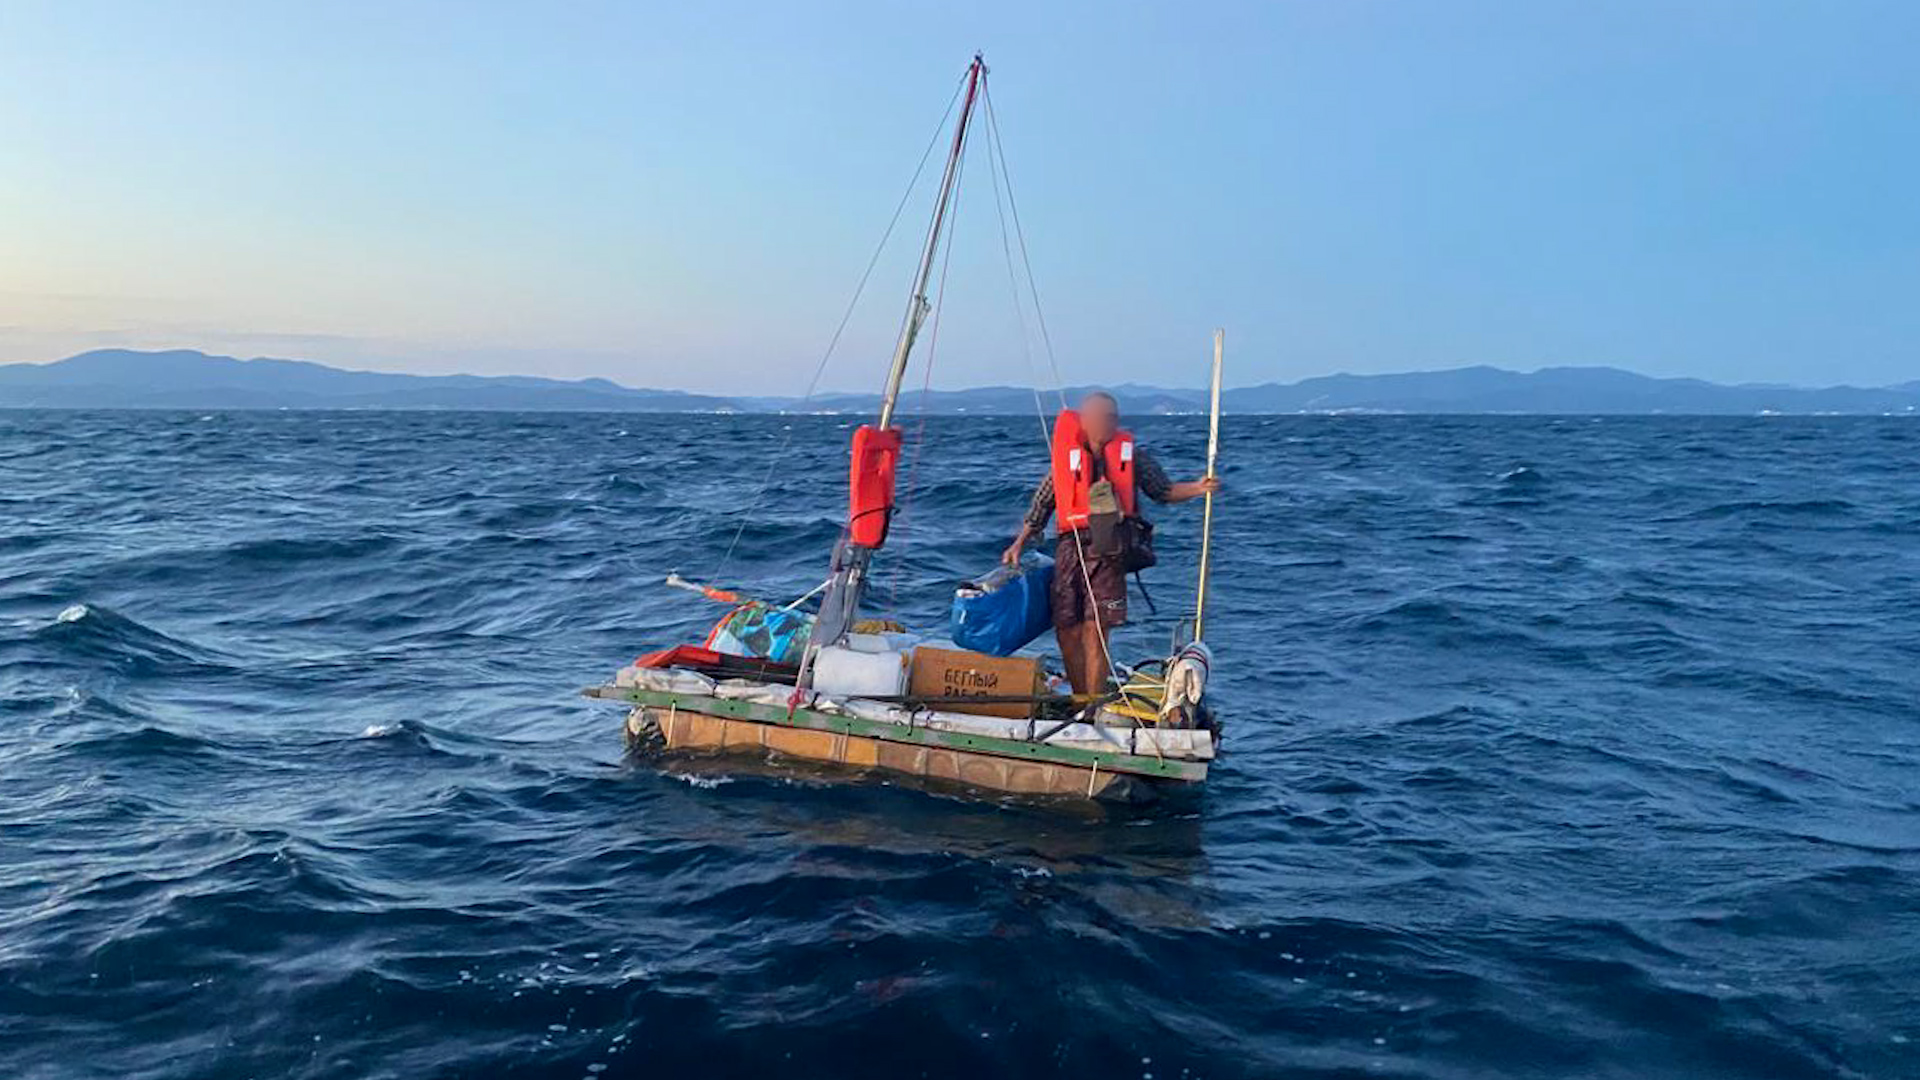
[[759, 629]]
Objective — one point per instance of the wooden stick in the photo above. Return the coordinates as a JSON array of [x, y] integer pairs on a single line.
[[1206, 516], [725, 596]]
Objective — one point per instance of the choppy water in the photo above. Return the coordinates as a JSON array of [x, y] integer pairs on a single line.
[[1557, 747]]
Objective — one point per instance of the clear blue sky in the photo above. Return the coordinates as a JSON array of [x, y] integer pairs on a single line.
[[684, 194]]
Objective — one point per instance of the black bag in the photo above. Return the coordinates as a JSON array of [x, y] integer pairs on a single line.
[[1136, 544], [1104, 538], [1112, 533]]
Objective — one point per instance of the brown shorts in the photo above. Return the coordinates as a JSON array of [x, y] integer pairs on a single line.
[[1073, 603]]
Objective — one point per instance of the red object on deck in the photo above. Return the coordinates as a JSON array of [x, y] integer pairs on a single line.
[[870, 484], [679, 656], [720, 665]]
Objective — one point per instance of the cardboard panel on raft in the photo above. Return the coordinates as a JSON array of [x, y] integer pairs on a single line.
[[951, 674], [699, 732]]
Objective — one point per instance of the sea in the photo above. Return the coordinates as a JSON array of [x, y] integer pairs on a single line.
[[1554, 747]]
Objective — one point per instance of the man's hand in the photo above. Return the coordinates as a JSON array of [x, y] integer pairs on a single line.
[[1193, 489], [1011, 556]]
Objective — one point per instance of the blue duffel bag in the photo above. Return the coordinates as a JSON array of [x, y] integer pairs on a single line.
[[1001, 612]]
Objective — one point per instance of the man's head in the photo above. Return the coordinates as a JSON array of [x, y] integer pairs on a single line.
[[1099, 416]]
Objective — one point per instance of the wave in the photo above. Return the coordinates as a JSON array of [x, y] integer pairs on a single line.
[[128, 647], [1813, 508]]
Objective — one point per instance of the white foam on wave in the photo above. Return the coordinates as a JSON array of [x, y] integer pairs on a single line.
[[706, 782], [379, 731], [72, 614]]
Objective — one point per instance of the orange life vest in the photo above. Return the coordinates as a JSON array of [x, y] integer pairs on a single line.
[[1074, 473]]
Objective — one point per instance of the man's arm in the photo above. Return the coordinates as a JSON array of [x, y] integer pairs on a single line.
[[1034, 523], [1153, 483]]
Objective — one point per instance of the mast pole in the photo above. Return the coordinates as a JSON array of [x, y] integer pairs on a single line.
[[917, 305], [1206, 515], [877, 448]]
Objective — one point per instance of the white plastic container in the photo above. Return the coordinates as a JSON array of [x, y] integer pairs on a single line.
[[878, 643], [844, 672]]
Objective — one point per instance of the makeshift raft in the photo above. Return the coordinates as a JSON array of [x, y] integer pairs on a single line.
[[1109, 755], [821, 685]]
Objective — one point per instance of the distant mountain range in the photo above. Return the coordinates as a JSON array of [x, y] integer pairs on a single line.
[[185, 379]]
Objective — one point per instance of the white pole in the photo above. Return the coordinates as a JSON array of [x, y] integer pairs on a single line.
[[1206, 516]]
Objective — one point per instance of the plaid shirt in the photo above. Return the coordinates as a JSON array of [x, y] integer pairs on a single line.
[[1148, 477]]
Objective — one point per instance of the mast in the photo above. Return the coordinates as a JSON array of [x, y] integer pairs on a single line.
[[876, 447], [1206, 516], [917, 305]]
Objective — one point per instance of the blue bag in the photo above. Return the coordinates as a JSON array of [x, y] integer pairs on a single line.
[[1000, 613]]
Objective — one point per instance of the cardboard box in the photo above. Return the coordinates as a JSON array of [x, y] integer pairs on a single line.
[[956, 673]]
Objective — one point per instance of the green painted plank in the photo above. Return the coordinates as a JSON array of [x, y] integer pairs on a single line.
[[878, 729]]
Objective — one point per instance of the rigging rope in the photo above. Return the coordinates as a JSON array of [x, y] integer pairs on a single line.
[[813, 384], [995, 165], [1005, 178], [1033, 286], [1002, 180]]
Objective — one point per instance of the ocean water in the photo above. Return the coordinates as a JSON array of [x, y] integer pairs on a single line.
[[1556, 747]]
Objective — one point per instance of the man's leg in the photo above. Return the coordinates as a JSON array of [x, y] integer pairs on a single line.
[[1106, 587], [1073, 654], [1093, 657]]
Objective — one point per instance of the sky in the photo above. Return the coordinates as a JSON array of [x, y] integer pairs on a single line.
[[685, 195]]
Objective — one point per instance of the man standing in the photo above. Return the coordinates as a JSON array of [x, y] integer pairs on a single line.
[[1091, 489]]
